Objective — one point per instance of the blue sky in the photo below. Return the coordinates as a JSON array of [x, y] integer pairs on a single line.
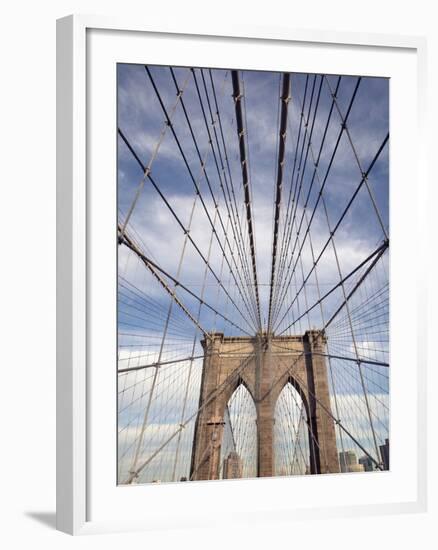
[[141, 120]]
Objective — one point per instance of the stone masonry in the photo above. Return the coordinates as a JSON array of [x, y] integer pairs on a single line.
[[264, 364]]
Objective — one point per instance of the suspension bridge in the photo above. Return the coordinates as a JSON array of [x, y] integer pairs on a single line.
[[253, 274]]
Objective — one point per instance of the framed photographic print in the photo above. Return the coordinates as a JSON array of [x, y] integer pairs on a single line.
[[238, 323]]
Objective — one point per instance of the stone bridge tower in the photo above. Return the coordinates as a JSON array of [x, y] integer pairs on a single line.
[[264, 365]]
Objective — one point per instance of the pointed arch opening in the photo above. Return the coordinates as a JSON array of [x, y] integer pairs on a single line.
[[292, 437], [239, 442]]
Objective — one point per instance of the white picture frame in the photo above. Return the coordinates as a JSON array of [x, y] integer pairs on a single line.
[[77, 367]]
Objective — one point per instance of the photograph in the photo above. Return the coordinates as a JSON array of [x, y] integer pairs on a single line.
[[252, 235]]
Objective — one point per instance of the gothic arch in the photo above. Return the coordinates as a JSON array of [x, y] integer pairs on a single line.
[[289, 379], [239, 437], [292, 431], [254, 363], [242, 380]]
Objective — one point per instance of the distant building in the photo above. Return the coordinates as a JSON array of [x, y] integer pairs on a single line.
[[384, 453], [348, 462], [233, 467], [355, 468], [367, 463], [346, 459]]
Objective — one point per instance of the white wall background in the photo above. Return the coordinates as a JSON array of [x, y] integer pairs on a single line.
[[27, 303]]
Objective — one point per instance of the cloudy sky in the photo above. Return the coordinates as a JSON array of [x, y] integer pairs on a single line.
[[160, 214]]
